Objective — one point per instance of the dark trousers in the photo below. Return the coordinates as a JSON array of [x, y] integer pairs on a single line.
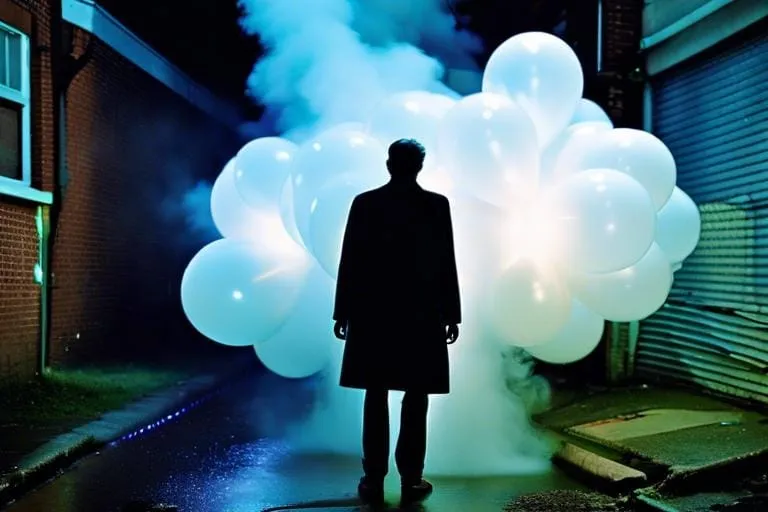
[[411, 444]]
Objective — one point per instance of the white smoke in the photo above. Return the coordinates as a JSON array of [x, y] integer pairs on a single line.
[[333, 61]]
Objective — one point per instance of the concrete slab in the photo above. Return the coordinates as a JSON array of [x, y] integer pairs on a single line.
[[587, 408], [672, 435], [655, 421], [699, 502], [702, 447]]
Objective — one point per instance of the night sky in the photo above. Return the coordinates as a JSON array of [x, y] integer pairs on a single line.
[[204, 39]]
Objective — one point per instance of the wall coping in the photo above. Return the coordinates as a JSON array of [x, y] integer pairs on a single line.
[[93, 18]]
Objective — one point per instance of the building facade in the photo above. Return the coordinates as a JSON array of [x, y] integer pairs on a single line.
[[707, 84], [99, 138]]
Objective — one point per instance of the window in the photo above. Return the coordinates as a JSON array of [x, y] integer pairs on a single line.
[[14, 107]]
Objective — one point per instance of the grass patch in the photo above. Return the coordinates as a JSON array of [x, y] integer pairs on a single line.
[[69, 395]]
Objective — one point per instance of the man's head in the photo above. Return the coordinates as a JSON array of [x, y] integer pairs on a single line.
[[406, 157]]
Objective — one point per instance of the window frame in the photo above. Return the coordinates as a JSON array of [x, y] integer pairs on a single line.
[[22, 98]]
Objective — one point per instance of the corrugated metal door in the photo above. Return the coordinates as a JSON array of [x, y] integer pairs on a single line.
[[713, 332]]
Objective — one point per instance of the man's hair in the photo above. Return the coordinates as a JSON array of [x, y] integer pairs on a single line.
[[406, 157]]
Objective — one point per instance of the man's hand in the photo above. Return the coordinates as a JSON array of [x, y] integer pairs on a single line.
[[452, 333], [340, 330]]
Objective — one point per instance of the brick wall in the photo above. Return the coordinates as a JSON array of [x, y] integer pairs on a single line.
[[133, 146], [19, 295]]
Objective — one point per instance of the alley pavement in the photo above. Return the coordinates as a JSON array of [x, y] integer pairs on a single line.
[[229, 455]]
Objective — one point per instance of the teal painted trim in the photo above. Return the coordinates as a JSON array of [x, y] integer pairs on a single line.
[[683, 23], [21, 191], [91, 17]]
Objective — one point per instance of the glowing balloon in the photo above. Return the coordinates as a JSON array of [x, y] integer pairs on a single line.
[[606, 219], [261, 168], [543, 75], [329, 219], [630, 294], [678, 226], [303, 346], [411, 115], [530, 304], [286, 212], [236, 294], [589, 111], [575, 136], [332, 153], [488, 145], [576, 340], [231, 215], [634, 152]]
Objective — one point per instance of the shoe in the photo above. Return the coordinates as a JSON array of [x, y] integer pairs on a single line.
[[411, 493], [370, 491]]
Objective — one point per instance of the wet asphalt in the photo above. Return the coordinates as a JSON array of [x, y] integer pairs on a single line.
[[228, 454]]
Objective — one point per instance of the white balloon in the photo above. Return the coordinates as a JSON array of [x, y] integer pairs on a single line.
[[606, 220], [286, 212], [630, 294], [303, 347], [329, 219], [529, 304], [588, 111], [488, 145], [634, 152], [238, 293], [261, 168], [678, 226], [231, 215], [410, 115], [542, 74], [332, 153], [575, 136], [576, 340]]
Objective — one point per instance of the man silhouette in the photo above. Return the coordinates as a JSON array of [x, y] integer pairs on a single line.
[[397, 306]]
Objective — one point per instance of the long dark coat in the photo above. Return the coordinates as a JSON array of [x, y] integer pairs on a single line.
[[397, 289]]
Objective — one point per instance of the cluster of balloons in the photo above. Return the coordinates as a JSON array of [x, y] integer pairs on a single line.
[[563, 221]]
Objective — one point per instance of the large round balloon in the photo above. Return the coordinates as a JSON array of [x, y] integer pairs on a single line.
[[329, 219], [529, 304], [630, 294], [606, 220], [576, 340], [410, 115], [575, 136], [634, 152], [236, 293], [231, 215], [488, 145], [332, 153], [261, 168], [287, 214], [543, 75], [590, 112], [303, 346], [678, 227]]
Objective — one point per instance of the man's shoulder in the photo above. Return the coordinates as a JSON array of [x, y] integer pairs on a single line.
[[368, 195], [436, 197]]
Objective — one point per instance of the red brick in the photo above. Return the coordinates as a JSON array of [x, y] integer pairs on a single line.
[[117, 262]]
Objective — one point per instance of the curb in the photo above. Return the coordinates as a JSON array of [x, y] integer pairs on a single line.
[[598, 471], [55, 456]]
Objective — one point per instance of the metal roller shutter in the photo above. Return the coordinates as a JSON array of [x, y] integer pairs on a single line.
[[713, 331]]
